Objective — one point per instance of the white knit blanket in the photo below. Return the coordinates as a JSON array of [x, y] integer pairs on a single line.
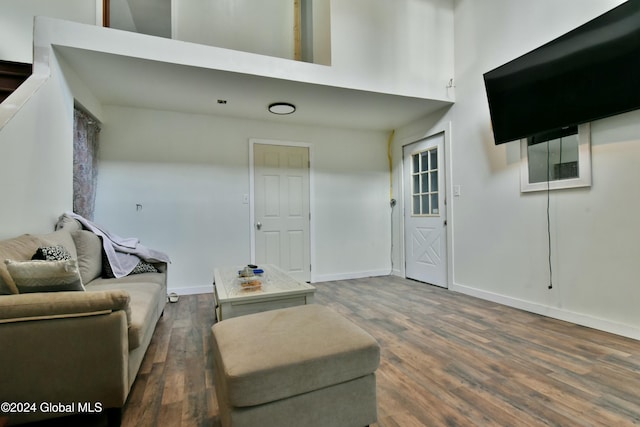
[[123, 254]]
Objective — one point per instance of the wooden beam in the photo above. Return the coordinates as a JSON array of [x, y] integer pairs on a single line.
[[106, 13]]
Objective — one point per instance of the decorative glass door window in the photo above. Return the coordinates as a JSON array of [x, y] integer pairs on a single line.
[[424, 185]]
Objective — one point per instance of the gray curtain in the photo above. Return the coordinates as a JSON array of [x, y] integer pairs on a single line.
[[85, 163]]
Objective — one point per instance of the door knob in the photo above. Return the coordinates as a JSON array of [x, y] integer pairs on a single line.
[[259, 225]]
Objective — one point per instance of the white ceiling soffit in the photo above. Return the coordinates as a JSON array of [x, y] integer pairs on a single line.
[[135, 82]]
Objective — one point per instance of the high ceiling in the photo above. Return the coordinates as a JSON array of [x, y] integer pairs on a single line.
[[128, 81]]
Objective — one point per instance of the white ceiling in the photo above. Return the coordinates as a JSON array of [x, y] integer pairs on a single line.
[[127, 81]]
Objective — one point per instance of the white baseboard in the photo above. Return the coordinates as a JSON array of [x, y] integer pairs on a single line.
[[553, 312], [193, 290], [347, 276]]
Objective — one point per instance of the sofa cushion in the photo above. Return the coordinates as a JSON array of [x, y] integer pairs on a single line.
[[143, 304], [277, 354], [89, 248], [45, 276], [159, 278], [19, 248]]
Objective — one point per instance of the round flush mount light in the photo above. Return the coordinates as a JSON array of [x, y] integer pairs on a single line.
[[282, 108]]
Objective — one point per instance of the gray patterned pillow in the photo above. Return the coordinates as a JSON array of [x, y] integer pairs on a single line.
[[51, 253], [45, 276], [144, 267]]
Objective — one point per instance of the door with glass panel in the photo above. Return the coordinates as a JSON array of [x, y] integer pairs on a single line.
[[425, 211]]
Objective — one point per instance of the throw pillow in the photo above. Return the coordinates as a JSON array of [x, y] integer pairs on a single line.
[[142, 267], [107, 271], [89, 248], [19, 248], [45, 276], [51, 253]]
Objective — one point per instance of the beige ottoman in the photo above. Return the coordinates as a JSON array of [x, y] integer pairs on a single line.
[[299, 366]]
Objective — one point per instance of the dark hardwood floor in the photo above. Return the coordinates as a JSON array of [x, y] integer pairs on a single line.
[[447, 360]]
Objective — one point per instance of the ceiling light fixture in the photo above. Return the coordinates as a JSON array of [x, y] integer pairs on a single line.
[[282, 108]]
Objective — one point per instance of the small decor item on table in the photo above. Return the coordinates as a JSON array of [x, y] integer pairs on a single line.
[[248, 278], [251, 270], [246, 272]]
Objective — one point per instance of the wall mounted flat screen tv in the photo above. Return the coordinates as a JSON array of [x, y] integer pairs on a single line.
[[589, 73]]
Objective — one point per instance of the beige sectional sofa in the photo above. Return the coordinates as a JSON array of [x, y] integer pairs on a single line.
[[73, 351]]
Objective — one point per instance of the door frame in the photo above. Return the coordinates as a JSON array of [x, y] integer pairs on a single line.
[[252, 214], [444, 129]]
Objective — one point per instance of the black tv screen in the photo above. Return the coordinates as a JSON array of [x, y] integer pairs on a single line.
[[587, 74]]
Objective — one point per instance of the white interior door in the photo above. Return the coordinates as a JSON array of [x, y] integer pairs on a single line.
[[425, 211], [282, 209]]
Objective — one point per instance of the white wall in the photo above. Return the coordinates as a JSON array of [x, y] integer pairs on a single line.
[[404, 44], [36, 160], [403, 47], [120, 15], [500, 235], [36, 126], [250, 26], [259, 27], [321, 22], [16, 22], [190, 172]]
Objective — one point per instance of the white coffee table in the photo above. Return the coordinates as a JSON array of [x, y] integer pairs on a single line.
[[278, 290]]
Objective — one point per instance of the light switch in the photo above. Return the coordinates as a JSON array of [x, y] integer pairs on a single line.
[[456, 191], [245, 199]]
